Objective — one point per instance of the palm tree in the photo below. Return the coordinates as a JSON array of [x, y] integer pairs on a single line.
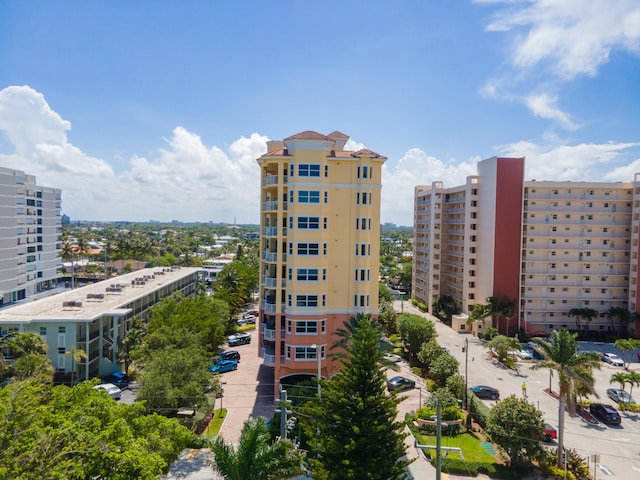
[[479, 313], [562, 356], [623, 315], [633, 379], [626, 345], [256, 458], [77, 355], [586, 314], [620, 378]]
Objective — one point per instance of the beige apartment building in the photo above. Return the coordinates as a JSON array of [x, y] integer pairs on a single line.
[[96, 318], [320, 242], [30, 243], [550, 246]]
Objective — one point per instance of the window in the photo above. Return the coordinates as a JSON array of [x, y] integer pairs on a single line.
[[306, 353], [306, 301], [308, 223], [308, 249], [62, 329], [307, 196], [43, 331], [308, 327], [326, 197], [361, 301], [307, 274], [308, 170]]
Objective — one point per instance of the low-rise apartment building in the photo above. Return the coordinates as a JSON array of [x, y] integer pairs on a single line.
[[95, 318]]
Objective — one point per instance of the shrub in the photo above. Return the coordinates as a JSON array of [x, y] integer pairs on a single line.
[[414, 302], [422, 307]]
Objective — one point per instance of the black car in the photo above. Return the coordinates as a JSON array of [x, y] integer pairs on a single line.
[[482, 391], [230, 355], [119, 379], [605, 413], [400, 383]]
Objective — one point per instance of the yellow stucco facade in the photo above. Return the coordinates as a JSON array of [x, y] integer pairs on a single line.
[[320, 243]]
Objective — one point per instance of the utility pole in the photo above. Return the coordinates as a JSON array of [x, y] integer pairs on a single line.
[[466, 373], [283, 413], [438, 441]]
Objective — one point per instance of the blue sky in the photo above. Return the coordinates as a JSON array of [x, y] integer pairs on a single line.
[[157, 110]]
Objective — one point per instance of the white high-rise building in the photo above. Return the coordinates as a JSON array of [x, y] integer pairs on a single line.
[[30, 243]]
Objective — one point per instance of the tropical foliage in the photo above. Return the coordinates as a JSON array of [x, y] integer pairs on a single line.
[[517, 426], [63, 433], [353, 429], [414, 330], [255, 457], [562, 357]]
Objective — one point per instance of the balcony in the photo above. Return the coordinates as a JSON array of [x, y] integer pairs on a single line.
[[270, 257], [270, 231], [269, 357], [269, 333]]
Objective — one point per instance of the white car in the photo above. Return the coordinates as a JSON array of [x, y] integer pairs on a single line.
[[113, 391], [525, 354], [612, 359], [392, 357]]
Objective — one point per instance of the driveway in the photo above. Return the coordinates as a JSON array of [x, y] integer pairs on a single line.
[[248, 393]]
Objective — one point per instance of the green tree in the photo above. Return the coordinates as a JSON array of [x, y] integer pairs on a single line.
[[33, 365], [456, 385], [255, 457], [174, 370], [77, 355], [443, 367], [620, 378], [627, 345], [502, 345], [444, 307], [517, 426], [501, 307], [633, 379], [479, 313], [581, 315], [430, 352], [202, 315], [78, 433], [562, 356], [130, 343], [623, 315], [414, 330], [352, 430]]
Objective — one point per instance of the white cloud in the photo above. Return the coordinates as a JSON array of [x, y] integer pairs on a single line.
[[543, 105], [186, 180], [555, 41], [574, 36]]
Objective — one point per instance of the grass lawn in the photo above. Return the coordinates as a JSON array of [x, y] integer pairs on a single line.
[[477, 459], [216, 422]]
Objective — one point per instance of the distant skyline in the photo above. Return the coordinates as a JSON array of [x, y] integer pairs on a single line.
[[157, 110]]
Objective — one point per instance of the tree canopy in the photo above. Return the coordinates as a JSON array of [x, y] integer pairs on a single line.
[[255, 458], [78, 433], [352, 430], [414, 330], [517, 426]]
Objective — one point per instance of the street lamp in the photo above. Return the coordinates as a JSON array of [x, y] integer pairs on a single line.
[[317, 347]]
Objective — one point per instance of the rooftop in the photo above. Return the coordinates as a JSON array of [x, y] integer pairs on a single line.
[[108, 297]]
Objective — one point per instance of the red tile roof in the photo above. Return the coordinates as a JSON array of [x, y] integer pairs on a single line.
[[309, 135]]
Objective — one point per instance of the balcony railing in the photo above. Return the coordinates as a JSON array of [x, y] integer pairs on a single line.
[[271, 257]]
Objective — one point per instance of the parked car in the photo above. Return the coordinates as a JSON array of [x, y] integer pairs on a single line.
[[239, 339], [230, 355], [113, 391], [392, 357], [251, 313], [605, 413], [612, 359], [525, 354], [483, 391], [400, 383], [119, 379], [620, 396], [224, 366], [550, 432]]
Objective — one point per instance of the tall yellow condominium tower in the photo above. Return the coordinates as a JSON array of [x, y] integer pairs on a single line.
[[320, 243]]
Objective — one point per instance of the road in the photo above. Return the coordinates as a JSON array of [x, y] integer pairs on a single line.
[[618, 447]]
